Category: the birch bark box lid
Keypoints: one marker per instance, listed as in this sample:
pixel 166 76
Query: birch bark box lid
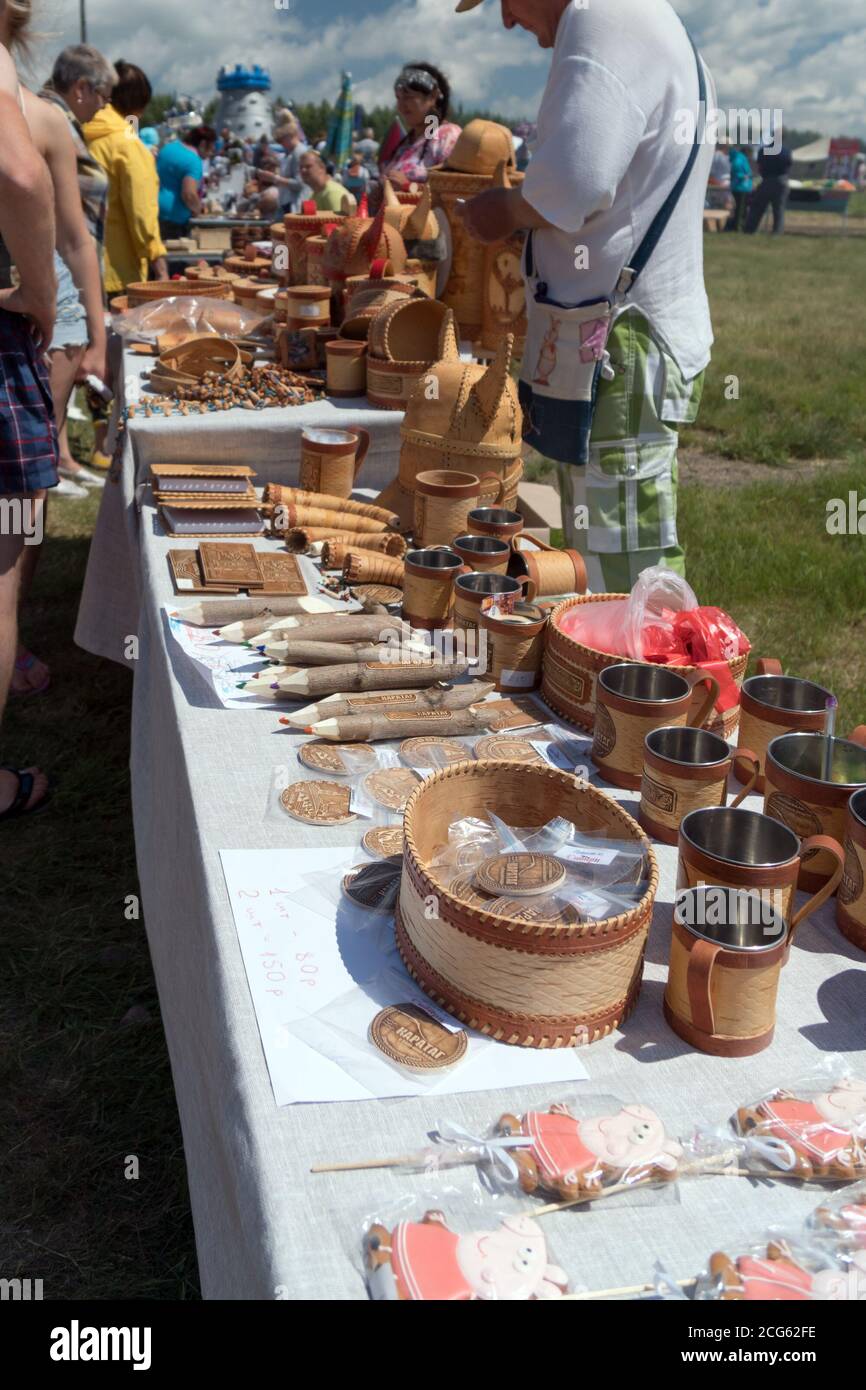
pixel 480 148
pixel 404 344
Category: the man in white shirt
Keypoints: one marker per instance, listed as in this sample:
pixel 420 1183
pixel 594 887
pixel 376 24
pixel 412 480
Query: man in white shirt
pixel 610 148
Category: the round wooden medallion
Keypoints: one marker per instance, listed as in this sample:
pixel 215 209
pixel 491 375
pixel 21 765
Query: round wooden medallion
pixel 328 757
pixel 391 787
pixel 318 803
pixel 520 875
pixel 413 1038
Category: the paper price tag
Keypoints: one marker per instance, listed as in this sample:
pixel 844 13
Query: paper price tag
pixel 574 854
pixel 594 905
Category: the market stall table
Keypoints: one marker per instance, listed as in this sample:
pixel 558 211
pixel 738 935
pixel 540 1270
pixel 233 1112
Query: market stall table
pixel 268 440
pixel 265 1226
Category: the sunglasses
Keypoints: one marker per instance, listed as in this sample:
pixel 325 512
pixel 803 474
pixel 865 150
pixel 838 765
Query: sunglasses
pixel 416 81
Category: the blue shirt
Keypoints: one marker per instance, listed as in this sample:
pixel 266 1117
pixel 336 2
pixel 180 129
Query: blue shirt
pixel 175 162
pixel 741 172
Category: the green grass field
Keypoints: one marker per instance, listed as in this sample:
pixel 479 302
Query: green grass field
pixel 84 1076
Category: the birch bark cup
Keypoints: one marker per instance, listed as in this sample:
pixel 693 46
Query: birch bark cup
pixel 686 769
pixel 851 899
pixel 633 699
pixel 808 787
pixel 772 704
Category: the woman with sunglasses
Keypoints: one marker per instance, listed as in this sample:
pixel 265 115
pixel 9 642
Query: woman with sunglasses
pixel 423 97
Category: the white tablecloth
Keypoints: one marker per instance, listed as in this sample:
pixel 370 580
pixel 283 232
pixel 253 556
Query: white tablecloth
pixel 269 441
pixel 265 1227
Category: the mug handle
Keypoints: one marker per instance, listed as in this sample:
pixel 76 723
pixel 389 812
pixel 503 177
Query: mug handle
pixel 530 588
pixel 748 757
pixel 769 666
pixel 833 847
pixel 709 703
pixel 702 958
pixel 535 541
pixel 363 448
pixel 500 487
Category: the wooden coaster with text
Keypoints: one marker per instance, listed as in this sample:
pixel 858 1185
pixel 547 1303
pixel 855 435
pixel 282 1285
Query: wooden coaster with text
pixel 230 563
pixel 318 803
pixel 433 752
pixel 518 712
pixel 391 787
pixel 512 750
pixel 384 841
pixel 520 875
pixel 328 757
pixel 413 1038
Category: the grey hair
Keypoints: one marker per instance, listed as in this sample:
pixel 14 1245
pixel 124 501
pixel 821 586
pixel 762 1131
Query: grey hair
pixel 82 60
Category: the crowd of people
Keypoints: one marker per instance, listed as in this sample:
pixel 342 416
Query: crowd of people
pixel 733 179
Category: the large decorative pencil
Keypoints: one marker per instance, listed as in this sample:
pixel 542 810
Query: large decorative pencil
pixel 217 613
pixel 289 684
pixel 346 627
pixel 302 653
pixel 360 728
pixel 409 702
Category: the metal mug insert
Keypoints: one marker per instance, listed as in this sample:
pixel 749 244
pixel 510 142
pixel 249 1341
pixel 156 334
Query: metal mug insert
pixel 802 755
pixel 788 693
pixel 436 558
pixel 737 836
pixel 495 516
pixel 734 918
pixel 488 584
pixel 857 805
pixel 653 684
pixel 690 747
pixel 483 545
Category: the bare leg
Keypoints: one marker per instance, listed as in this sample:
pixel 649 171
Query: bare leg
pixel 12 551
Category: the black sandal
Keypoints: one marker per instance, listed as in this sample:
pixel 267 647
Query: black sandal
pixel 19 806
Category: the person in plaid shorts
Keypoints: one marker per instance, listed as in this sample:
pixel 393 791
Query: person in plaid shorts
pixel 28 438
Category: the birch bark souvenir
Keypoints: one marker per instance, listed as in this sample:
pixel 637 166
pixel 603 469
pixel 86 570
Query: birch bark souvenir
pixel 809 782
pixel 365 304
pixel 443 500
pixel 330 463
pixel 552 571
pixel 851 899
pixel 460 416
pixel 772 704
pixel 423 705
pixel 495 521
pixel 515 646
pixel 481 150
pixel 737 848
pixel 571 670
pixel 276 495
pixel 424 232
pixel 334 552
pixel 288 683
pixel 482 554
pixel 504 304
pixel 632 699
pixel 143 292
pixel 362 567
pixel 315 249
pixel 347 368
pixel 404 344
pixel 686 769
pixel 318 517
pixel 428 588
pixel 357 243
pixel 303 540
pixel 528 983
pixel 723 978
pixel 472 592
pixel 307 306
pixel 299 227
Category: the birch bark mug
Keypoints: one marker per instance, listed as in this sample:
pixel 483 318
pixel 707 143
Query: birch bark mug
pixel 482 554
pixel 515 645
pixel 443 500
pixel 810 780
pixel 473 591
pixel 685 769
pixel 735 848
pixel 772 704
pixel 723 977
pixel 331 460
pixel 632 699
pixel 851 899
pixel 428 587
pixel 495 521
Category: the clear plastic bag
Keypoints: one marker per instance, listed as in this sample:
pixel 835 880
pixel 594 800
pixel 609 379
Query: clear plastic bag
pixel 784 1269
pixel 658 594
pixel 454 1253
pixel 187 314
pixel 841 1218
pixel 815 1128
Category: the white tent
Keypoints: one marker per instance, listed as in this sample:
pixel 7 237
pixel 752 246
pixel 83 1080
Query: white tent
pixel 814 153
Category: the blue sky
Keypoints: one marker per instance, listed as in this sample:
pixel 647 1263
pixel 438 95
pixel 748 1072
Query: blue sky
pixel 806 56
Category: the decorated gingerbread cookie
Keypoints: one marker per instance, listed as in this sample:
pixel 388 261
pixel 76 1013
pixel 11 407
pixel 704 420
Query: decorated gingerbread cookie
pixel 782 1278
pixel 568 1156
pixel 821 1137
pixel 844 1216
pixel 426 1261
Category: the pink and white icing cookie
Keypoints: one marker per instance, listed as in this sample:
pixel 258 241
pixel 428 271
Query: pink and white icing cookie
pixel 570 1156
pixel 779 1279
pixel 823 1136
pixel 427 1262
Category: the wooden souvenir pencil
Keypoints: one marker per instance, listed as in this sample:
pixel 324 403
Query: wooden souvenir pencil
pixel 217 613
pixel 327 680
pixel 344 627
pixel 302 653
pixel 410 702
pixel 355 728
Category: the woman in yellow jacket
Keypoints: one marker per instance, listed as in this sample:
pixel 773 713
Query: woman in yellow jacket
pixel 133 247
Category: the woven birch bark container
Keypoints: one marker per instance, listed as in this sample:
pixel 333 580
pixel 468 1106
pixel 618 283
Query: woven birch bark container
pixel 299 227
pixel 463 416
pixel 365 567
pixel 147 290
pixel 571 671
pixel 314 261
pixel 404 344
pixel 464 293
pixel 531 985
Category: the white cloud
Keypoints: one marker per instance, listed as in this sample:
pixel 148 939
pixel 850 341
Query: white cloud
pixel 807 58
